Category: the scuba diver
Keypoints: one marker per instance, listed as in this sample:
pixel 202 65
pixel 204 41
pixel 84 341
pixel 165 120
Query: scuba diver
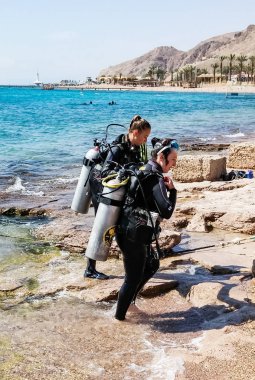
pixel 150 196
pixel 127 148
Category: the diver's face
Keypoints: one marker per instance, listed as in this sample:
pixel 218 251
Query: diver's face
pixel 139 137
pixel 170 162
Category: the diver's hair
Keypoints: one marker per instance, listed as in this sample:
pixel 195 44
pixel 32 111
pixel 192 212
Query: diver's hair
pixel 154 152
pixel 139 123
pixel 161 143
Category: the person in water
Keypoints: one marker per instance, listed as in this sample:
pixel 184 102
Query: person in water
pixel 154 193
pixel 130 147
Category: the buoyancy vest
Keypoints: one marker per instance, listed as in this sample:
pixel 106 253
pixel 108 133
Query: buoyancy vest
pixel 136 216
pixel 137 193
pixel 120 151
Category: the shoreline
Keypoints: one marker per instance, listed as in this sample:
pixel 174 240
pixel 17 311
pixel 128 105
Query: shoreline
pixel 215 88
pixel 203 88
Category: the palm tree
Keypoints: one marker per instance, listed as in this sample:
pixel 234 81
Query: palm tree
pixel 248 71
pixel 214 66
pixel 186 71
pixel 160 73
pixel 153 68
pixel 150 74
pixel 203 71
pixel 241 59
pixel 222 58
pixel 252 60
pixel 231 60
pixel 180 72
pixel 172 74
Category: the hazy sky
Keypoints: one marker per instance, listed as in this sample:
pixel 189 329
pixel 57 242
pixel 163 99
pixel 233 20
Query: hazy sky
pixel 73 39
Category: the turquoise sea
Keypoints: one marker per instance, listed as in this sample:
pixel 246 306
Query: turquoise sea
pixel 44 134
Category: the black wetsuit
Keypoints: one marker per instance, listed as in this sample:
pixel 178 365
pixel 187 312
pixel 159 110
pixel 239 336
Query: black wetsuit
pixel 121 152
pixel 139 261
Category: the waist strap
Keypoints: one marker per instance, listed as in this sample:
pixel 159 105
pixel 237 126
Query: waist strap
pixel 110 202
pixel 87 162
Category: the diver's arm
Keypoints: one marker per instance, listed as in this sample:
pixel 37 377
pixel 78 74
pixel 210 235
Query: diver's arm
pixel 114 156
pixel 164 203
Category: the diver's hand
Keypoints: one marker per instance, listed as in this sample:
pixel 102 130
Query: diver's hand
pixel 169 183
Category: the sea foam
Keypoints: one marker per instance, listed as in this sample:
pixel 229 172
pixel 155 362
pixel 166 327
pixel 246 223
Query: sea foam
pixel 239 134
pixel 18 187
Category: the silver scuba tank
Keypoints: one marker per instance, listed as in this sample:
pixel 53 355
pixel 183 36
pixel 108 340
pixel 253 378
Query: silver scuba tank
pixel 82 196
pixel 106 218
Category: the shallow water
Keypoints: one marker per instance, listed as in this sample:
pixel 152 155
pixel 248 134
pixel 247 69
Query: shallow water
pixel 17 244
pixel 82 339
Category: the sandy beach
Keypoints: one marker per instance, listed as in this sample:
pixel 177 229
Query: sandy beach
pixel 217 88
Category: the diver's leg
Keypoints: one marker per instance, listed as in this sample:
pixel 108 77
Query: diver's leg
pixel 134 257
pixel 151 267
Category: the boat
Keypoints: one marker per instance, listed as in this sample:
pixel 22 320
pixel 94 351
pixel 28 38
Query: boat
pixel 37 82
pixel 48 86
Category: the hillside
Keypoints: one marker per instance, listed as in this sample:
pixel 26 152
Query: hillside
pixel 203 54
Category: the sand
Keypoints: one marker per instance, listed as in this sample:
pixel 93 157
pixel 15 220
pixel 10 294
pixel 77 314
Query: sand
pixel 217 88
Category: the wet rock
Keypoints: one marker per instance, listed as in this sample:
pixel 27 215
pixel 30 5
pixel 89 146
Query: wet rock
pixel 9 285
pixel 100 291
pixel 204 147
pixel 156 287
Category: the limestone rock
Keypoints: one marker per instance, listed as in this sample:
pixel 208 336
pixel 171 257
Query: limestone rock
pixel 199 168
pixel 156 287
pixel 9 285
pixel 205 293
pixel 169 239
pixel 197 223
pixel 240 220
pixel 242 156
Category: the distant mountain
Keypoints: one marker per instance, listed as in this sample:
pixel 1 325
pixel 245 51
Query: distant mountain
pixel 203 55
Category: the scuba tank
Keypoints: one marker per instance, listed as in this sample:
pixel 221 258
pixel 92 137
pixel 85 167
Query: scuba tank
pixel 82 197
pixel 106 218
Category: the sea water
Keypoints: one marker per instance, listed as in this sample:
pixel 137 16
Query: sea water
pixel 46 133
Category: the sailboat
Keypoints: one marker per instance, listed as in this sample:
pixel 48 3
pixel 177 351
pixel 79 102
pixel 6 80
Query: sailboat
pixel 37 82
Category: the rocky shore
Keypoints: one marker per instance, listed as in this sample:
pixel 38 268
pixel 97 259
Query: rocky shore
pixel 195 318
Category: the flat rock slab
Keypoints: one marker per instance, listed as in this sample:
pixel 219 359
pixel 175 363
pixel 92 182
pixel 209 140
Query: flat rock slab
pixel 10 285
pixel 156 287
pixel 234 258
pixel 108 290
